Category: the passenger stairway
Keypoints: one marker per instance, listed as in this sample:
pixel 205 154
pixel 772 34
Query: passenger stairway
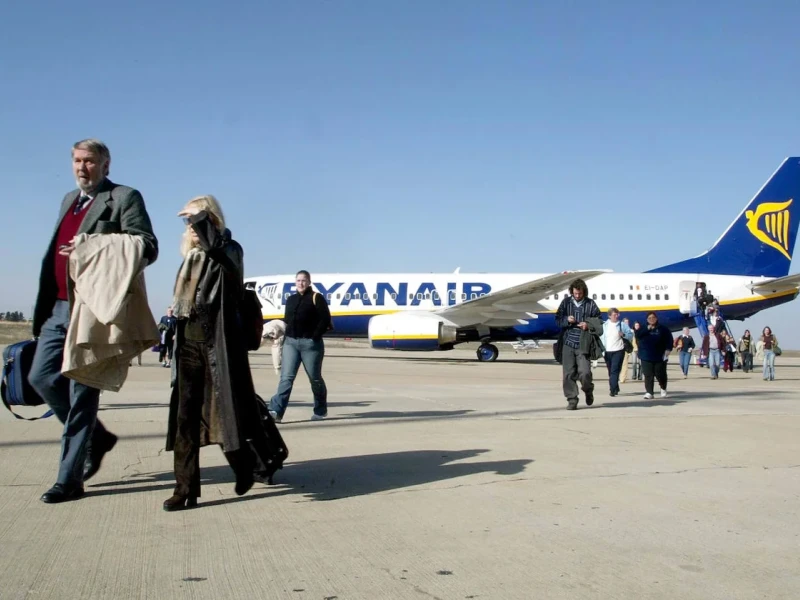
pixel 702 323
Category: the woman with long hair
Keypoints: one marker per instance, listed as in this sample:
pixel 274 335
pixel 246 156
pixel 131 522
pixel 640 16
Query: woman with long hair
pixel 730 352
pixel 767 344
pixel 213 400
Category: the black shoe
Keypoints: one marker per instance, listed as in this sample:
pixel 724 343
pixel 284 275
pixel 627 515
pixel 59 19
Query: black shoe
pixel 572 405
pixel 244 482
pixel 589 399
pixel 62 493
pixel 178 502
pixel 96 455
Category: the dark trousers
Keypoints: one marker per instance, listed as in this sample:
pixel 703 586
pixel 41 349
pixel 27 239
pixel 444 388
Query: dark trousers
pixel 747 361
pixel 194 377
pixel 614 366
pixel 73 403
pixel 657 370
pixel 576 366
pixel 165 351
pixel 729 360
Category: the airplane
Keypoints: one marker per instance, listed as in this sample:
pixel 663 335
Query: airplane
pixel 747 270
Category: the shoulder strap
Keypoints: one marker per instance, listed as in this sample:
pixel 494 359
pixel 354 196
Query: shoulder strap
pixel 4 390
pixel 49 413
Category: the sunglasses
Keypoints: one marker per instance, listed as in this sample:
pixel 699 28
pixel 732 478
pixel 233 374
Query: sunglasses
pixel 186 221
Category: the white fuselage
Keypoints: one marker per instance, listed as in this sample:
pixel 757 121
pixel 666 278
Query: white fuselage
pixel 355 298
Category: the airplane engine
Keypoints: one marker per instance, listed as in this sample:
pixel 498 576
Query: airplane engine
pixel 411 332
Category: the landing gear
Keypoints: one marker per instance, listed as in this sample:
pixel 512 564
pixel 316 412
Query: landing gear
pixel 487 353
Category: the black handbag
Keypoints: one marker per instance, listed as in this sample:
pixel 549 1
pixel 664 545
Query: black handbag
pixel 558 347
pixel 627 345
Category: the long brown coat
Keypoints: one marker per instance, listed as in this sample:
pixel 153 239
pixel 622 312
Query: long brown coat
pixel 229 407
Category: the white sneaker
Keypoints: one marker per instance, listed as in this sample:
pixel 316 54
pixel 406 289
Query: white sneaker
pixel 648 396
pixel 316 417
pixel 663 393
pixel 275 416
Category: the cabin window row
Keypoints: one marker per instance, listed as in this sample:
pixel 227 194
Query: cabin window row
pixel 621 297
pixel 473 296
pixel 429 296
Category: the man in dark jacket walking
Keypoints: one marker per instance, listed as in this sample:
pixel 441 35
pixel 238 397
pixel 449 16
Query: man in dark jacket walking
pixel 98 206
pixel 307 318
pixel 572 316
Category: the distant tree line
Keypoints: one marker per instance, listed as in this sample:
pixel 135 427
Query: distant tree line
pixel 12 317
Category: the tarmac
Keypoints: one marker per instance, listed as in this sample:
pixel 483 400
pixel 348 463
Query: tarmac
pixel 434 476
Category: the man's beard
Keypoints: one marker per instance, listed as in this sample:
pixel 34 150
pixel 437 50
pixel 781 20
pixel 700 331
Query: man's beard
pixel 88 188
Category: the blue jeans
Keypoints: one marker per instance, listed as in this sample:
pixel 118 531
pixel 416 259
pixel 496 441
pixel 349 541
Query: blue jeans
pixel 714 360
pixel 310 353
pixel 73 403
pixel 769 364
pixel 684 358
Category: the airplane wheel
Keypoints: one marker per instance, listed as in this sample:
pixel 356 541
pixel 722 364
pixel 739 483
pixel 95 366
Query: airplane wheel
pixel 487 353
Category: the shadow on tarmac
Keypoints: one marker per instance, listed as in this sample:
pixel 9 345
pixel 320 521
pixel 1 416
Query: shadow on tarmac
pixel 336 478
pixel 628 399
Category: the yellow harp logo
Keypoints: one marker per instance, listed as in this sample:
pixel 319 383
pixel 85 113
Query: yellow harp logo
pixel 773 229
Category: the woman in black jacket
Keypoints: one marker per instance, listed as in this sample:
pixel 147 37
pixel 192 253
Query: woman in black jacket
pixel 213 400
pixel 655 344
pixel 307 318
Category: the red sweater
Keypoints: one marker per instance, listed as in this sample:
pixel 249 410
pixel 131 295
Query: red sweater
pixel 66 231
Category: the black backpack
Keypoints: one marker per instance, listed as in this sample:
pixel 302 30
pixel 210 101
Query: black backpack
pixel 252 319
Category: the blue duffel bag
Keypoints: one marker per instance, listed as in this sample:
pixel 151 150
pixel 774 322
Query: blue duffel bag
pixel 15 389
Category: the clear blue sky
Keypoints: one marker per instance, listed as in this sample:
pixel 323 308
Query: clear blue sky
pixel 405 136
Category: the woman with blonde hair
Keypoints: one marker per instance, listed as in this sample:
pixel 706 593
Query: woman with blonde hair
pixel 213 400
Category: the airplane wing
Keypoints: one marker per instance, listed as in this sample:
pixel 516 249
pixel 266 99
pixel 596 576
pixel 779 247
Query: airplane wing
pixel 514 305
pixel 781 284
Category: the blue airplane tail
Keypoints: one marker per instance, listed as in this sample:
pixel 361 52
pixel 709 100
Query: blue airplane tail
pixel 760 242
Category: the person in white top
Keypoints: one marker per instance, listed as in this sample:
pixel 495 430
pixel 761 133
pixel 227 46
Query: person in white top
pixel 615 334
pixel 276 331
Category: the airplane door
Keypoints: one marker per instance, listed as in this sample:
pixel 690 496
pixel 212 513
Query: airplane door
pixel 686 300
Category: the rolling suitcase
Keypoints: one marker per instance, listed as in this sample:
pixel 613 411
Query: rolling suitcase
pixel 15 389
pixel 276 447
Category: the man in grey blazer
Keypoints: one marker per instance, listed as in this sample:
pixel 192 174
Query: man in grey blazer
pixel 97 206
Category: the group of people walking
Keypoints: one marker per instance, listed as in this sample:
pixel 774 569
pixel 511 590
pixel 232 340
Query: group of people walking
pixel 202 338
pixel 721 351
pixel 585 338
